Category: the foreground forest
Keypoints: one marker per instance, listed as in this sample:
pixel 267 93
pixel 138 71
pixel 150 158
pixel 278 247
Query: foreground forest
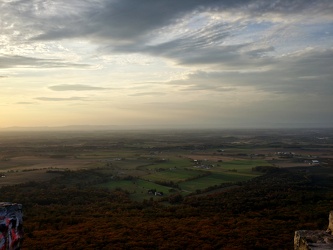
pixel 262 213
pixel 75 210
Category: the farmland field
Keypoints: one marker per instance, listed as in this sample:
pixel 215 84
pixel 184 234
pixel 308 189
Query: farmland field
pixel 174 175
pixel 136 161
pixel 212 180
pixel 223 188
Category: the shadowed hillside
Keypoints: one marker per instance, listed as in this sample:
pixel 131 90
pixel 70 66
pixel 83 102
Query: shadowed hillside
pixel 262 213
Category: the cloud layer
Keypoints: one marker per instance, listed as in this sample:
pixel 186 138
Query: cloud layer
pixel 192 54
pixel 15 61
pixel 74 87
pixel 60 99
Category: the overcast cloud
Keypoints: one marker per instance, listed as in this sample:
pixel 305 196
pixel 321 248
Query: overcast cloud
pixel 15 61
pixel 74 87
pixel 59 99
pixel 198 54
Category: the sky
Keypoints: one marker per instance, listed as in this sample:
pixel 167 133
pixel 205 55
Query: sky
pixel 166 63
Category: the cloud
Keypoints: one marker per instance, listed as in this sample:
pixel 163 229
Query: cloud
pixel 14 61
pixel 189 32
pixel 120 20
pixel 208 87
pixel 123 22
pixel 205 47
pixel 75 87
pixel 308 72
pixel 246 61
pixel 253 38
pixel 25 103
pixel 148 94
pixel 126 20
pixel 229 56
pixel 60 99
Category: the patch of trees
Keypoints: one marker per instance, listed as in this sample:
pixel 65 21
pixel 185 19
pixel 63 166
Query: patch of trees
pixel 171 184
pixel 262 213
pixel 265 169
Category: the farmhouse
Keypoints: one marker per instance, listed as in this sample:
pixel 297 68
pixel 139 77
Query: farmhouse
pixel 285 154
pixel 315 162
pixel 154 192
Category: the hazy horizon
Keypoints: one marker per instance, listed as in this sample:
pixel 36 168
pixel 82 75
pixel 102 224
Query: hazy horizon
pixel 166 64
pixel 92 128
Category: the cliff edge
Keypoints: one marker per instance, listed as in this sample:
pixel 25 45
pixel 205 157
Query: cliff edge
pixel 315 239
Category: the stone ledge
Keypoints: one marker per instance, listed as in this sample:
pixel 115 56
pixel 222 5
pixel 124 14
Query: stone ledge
pixel 315 239
pixel 312 240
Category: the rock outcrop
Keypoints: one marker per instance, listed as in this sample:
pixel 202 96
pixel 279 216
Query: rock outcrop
pixel 315 239
pixel 11 228
pixel 330 223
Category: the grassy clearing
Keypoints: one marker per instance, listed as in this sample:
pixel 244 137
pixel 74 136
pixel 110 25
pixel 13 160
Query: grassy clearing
pixel 108 154
pixel 231 171
pixel 241 166
pixel 138 188
pixel 174 175
pixel 201 183
pixel 169 163
pixel 188 179
pixel 130 163
pixel 151 185
pixel 134 185
pixel 212 180
pixel 123 184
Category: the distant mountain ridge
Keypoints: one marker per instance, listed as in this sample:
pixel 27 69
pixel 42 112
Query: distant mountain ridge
pixel 139 127
pixel 63 128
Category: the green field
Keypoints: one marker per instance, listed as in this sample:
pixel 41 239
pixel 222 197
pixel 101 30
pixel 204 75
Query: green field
pixel 138 188
pixel 241 166
pixel 108 153
pixel 168 163
pixel 174 175
pixel 139 162
pixel 166 177
pixel 130 163
pixel 212 180
pixel 176 171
